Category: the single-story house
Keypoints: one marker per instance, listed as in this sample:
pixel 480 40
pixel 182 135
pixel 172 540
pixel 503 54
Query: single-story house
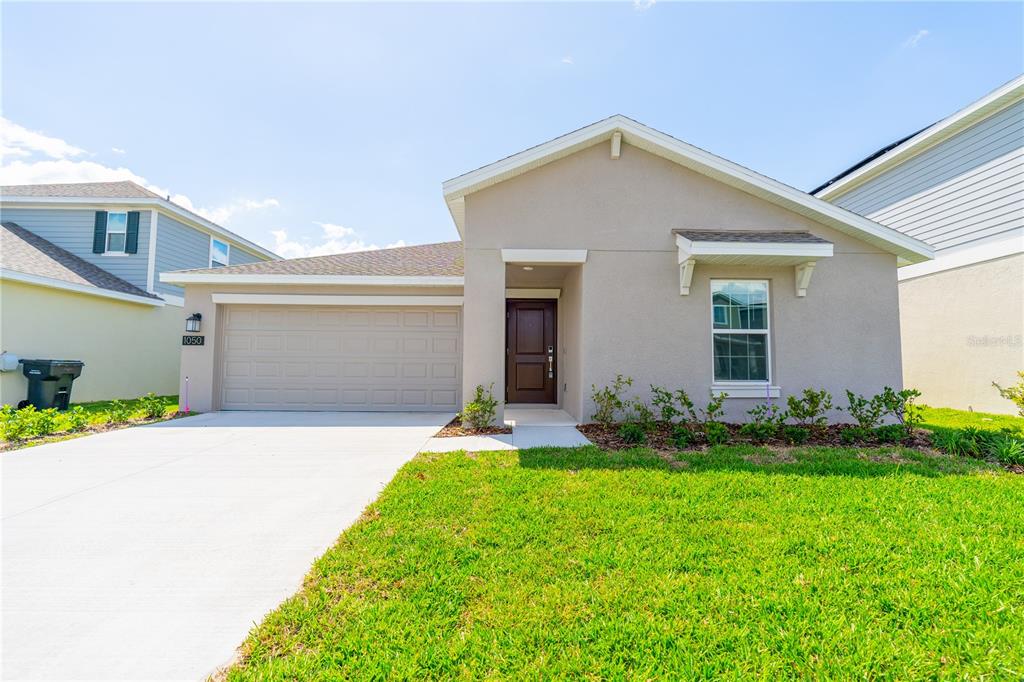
pixel 615 249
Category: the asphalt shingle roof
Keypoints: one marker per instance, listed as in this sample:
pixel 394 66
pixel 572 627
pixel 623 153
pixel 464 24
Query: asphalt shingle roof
pixel 425 260
pixel 752 236
pixel 99 190
pixel 27 252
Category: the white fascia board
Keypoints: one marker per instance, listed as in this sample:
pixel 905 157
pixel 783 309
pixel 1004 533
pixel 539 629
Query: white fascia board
pixel 908 249
pixel 995 101
pixel 544 256
pixel 688 249
pixel 331 299
pixel 352 280
pixel 171 209
pixel 15 276
pixel 969 255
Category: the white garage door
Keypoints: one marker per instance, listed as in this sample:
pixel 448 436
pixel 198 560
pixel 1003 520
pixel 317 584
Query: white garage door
pixel 338 358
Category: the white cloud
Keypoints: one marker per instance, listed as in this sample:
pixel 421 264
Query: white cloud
pixel 44 160
pixel 19 141
pixel 118 150
pixel 913 40
pixel 336 239
pixel 643 5
pixel 567 59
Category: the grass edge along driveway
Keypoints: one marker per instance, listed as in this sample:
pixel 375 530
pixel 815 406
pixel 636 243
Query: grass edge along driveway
pixel 735 562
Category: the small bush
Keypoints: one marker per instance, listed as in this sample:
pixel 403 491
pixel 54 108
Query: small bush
pixel 795 435
pixel 890 433
pixel 901 406
pixel 765 421
pixel 45 422
pixel 715 408
pixel 716 433
pixel 633 433
pixel 759 432
pixel 639 413
pixel 1014 393
pixel 682 437
pixel 76 418
pixel 1008 449
pixel 853 435
pixel 665 403
pixel 480 412
pixel 118 412
pixel 867 411
pixel 13 424
pixel 152 407
pixel 608 400
pixel 810 409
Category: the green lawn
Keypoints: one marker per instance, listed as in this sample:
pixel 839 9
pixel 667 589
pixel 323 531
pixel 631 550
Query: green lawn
pixel 739 562
pixel 134 405
pixel 937 418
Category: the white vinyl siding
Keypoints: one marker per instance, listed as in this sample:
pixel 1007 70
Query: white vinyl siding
pixel 964 190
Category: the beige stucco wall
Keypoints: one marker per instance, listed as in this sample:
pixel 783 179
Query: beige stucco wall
pixel 199 363
pixel 844 334
pixel 128 349
pixel 962 330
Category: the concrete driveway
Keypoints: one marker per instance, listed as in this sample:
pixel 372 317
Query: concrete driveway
pixel 149 553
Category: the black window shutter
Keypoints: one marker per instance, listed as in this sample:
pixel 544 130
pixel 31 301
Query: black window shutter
pixel 131 240
pixel 99 233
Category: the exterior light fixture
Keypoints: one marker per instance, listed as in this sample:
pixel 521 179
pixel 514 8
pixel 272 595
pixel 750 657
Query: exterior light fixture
pixel 193 322
pixel 527 267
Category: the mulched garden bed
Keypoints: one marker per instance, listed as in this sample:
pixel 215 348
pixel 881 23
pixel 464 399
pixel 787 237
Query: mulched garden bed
pixel 607 436
pixel 454 428
pixel 7 446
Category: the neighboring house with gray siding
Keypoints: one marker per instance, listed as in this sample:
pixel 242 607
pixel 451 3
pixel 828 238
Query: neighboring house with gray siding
pixel 119 237
pixel 957 185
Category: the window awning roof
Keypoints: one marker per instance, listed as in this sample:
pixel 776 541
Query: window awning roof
pixel 750 247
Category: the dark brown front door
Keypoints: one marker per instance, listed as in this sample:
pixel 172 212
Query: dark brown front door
pixel 531 371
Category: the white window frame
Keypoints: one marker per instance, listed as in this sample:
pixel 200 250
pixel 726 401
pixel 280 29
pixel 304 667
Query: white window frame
pixel 107 232
pixel 742 387
pixel 227 250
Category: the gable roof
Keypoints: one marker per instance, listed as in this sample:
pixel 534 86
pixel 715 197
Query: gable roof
pixel 119 193
pixel 42 262
pixel 907 249
pixel 442 262
pixel 752 236
pixel 900 151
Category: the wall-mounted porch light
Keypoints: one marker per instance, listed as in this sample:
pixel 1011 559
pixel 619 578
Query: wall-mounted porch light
pixel 193 322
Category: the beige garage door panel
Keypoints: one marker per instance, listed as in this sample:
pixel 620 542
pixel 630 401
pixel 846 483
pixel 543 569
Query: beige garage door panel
pixel 333 358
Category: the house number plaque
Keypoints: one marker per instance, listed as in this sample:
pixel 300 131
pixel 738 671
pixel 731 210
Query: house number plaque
pixel 192 340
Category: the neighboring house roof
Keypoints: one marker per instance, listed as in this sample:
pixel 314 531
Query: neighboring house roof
pixel 908 249
pixel 441 262
pixel 27 257
pixel 912 145
pixel 119 193
pixel 752 236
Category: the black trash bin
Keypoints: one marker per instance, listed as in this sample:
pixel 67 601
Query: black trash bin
pixel 49 382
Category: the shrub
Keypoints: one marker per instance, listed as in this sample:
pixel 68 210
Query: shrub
pixel 45 422
pixel 1014 393
pixel 765 421
pixel 795 435
pixel 853 434
pixel 639 413
pixel 665 403
pixel 608 400
pixel 716 433
pixel 118 412
pixel 867 412
pixel 152 406
pixel 901 406
pixel 810 409
pixel 955 443
pixel 633 433
pixel 76 418
pixel 13 425
pixel 889 433
pixel 715 407
pixel 479 413
pixel 686 407
pixel 682 437
pixel 1008 449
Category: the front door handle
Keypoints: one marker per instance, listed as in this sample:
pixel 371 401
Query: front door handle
pixel 551 367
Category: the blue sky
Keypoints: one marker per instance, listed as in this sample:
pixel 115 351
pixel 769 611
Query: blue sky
pixel 326 127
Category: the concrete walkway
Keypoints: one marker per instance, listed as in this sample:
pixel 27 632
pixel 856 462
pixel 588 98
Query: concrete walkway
pixel 531 428
pixel 149 553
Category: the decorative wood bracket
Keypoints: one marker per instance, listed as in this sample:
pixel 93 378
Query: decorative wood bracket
pixel 686 276
pixel 803 277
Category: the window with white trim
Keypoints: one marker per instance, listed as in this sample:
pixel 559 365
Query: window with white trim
pixel 218 253
pixel 117 231
pixel 740 338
